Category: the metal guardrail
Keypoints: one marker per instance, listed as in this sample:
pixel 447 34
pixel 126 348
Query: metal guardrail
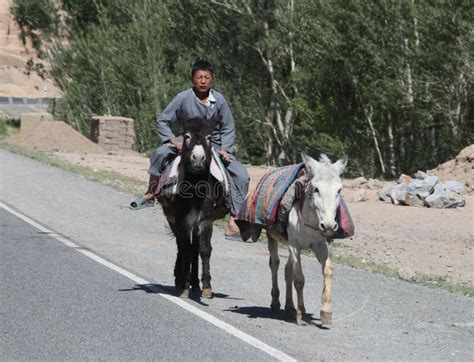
pixel 14 107
pixel 42 102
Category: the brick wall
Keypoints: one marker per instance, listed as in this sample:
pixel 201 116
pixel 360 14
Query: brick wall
pixel 113 133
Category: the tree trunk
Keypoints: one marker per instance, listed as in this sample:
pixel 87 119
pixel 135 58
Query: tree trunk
pixel 368 117
pixel 393 169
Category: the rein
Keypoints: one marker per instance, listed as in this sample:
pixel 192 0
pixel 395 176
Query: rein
pixel 306 187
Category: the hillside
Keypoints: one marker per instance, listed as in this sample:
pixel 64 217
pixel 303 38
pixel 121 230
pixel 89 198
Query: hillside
pixel 13 58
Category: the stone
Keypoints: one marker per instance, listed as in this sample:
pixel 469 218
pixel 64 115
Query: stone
pixel 438 198
pixel 422 188
pixel 404 179
pixel 406 273
pixel 384 196
pixel 454 186
pixel 421 175
pixel 454 200
pixel 413 200
pixel 430 182
pixel 398 193
pixel 374 184
pixel 361 196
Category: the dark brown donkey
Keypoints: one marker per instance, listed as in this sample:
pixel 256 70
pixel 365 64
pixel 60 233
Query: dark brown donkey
pixel 190 212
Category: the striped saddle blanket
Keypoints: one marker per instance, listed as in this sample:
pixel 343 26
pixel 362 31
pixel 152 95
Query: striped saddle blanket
pixel 272 199
pixel 263 203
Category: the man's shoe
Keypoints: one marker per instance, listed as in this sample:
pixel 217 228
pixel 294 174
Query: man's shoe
pixel 141 203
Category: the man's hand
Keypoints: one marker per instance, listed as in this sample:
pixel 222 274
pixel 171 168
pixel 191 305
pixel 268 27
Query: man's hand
pixel 224 155
pixel 178 145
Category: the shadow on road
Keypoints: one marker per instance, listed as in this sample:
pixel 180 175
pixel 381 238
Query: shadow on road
pixel 170 290
pixel 265 312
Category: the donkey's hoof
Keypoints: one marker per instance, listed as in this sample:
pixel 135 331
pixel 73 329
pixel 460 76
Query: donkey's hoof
pixel 206 293
pixel 300 320
pixel 325 318
pixel 275 307
pixel 183 293
pixel 196 291
pixel 290 312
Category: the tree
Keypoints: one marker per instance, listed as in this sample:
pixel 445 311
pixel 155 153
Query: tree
pixel 389 83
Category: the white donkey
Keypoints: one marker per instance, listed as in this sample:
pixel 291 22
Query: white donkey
pixel 311 223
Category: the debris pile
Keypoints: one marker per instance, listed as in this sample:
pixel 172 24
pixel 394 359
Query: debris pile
pixel 424 190
pixel 460 168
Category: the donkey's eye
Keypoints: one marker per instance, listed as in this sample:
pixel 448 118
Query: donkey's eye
pixel 208 138
pixel 315 190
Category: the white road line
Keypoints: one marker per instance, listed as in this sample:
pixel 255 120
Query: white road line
pixel 180 302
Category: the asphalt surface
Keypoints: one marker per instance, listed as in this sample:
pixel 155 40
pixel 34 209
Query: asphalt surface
pixel 57 303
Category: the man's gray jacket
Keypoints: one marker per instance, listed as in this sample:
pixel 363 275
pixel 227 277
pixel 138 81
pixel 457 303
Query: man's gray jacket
pixel 223 136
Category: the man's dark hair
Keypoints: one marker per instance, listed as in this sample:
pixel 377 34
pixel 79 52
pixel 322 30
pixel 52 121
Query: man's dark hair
pixel 201 65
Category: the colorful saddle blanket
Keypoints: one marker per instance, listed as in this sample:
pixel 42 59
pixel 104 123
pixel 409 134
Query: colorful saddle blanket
pixel 275 195
pixel 262 204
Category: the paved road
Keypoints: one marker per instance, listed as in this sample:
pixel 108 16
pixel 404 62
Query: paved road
pixel 58 303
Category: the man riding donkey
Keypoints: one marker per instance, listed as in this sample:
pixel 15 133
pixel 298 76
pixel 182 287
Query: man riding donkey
pixel 200 101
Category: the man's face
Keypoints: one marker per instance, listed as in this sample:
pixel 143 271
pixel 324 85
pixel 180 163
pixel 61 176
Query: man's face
pixel 202 81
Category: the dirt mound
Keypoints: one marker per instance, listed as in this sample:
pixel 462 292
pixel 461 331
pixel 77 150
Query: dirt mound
pixel 54 136
pixel 461 169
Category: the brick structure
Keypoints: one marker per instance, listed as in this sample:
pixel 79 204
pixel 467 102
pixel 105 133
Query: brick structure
pixel 113 133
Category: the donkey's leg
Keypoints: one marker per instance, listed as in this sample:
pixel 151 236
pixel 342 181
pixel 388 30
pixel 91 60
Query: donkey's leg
pixel 195 262
pixel 183 259
pixel 205 250
pixel 183 286
pixel 274 264
pixel 321 251
pixel 289 305
pixel 298 280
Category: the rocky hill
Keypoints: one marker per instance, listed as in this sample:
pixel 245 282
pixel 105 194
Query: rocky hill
pixel 14 82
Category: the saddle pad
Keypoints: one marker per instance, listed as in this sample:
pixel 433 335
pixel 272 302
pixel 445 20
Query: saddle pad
pixel 262 204
pixel 169 178
pixel 218 170
pixel 344 221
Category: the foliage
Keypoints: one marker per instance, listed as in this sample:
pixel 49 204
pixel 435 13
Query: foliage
pixel 3 127
pixel 388 83
pixel 36 20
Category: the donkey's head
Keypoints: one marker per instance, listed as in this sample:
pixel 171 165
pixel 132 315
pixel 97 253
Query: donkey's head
pixel 196 151
pixel 323 190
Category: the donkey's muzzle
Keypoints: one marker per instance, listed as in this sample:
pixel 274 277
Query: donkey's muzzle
pixel 198 161
pixel 328 228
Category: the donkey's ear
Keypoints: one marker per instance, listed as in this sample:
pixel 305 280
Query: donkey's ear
pixel 215 120
pixel 180 116
pixel 183 120
pixel 341 164
pixel 305 157
pixel 310 164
